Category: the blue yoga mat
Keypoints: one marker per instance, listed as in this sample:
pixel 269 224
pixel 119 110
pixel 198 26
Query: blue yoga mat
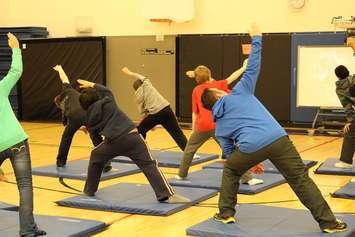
pixel 327 167
pixel 55 226
pixel 265 221
pixel 211 179
pixel 136 199
pixel 78 170
pixel 268 166
pixel 8 207
pixel 348 191
pixel 171 158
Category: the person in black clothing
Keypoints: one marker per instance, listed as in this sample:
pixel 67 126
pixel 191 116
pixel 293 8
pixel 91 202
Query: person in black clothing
pixel 120 138
pixel 73 117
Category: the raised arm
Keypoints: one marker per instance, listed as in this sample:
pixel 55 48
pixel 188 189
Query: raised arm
pixel 236 74
pixel 248 81
pixel 15 72
pixel 101 89
pixel 63 77
pixel 132 74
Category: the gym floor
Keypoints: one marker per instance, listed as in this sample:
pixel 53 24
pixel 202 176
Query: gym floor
pixel 44 140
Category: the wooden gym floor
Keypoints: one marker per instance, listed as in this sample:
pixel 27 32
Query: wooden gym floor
pixel 44 140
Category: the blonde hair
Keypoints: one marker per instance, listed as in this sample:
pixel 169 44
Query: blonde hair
pixel 201 74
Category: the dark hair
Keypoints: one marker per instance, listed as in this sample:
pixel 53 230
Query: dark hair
pixel 208 99
pixel 136 84
pixel 88 97
pixel 341 72
pixel 352 91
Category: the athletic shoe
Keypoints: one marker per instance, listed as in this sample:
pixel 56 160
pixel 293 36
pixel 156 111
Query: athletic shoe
pixel 343 165
pixel 176 198
pixel 107 168
pixel 254 181
pixel 338 227
pixel 224 219
pixel 36 233
pixel 196 156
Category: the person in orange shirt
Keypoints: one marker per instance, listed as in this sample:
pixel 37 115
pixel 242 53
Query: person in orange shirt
pixel 203 126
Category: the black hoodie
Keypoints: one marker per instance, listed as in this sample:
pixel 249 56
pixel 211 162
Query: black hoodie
pixel 105 118
pixel 348 102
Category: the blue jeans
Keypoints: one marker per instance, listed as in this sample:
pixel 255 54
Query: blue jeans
pixel 19 156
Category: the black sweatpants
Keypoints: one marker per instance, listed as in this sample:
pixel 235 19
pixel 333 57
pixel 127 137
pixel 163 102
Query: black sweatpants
pixel 348 147
pixel 287 160
pixel 167 119
pixel 133 146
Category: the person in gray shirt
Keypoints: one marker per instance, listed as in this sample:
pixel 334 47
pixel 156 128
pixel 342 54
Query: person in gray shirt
pixel 154 109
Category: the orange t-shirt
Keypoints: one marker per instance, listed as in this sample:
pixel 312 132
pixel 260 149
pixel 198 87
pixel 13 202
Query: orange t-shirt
pixel 204 120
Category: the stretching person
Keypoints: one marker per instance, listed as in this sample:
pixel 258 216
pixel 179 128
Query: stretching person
pixel 14 145
pixel 203 127
pixel 154 109
pixel 74 118
pixel 121 138
pixel 249 134
pixel 343 85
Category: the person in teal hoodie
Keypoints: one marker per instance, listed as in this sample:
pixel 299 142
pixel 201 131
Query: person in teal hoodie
pixel 249 134
pixel 14 145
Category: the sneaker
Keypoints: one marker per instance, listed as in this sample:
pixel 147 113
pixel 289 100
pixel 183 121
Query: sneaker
pixel 224 219
pixel 36 233
pixel 196 156
pixel 338 227
pixel 107 168
pixel 179 177
pixel 254 181
pixel 176 198
pixel 343 165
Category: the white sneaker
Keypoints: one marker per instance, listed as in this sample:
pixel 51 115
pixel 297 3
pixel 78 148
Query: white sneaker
pixel 196 156
pixel 254 181
pixel 343 165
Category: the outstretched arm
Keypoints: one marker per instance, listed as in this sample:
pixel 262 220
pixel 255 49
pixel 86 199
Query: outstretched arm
pixel 15 72
pixel 248 81
pixel 236 74
pixel 133 74
pixel 101 89
pixel 62 75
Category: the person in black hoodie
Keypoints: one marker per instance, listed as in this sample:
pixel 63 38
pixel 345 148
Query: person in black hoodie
pixel 73 117
pixel 120 138
pixel 344 87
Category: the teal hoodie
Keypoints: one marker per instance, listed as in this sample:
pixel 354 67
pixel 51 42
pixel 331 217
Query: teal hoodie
pixel 11 130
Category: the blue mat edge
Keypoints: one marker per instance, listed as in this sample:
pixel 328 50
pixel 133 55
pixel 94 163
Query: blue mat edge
pixel 45 174
pixel 66 203
pixel 316 171
pixel 339 194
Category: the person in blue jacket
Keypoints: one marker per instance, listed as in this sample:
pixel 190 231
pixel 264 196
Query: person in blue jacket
pixel 249 134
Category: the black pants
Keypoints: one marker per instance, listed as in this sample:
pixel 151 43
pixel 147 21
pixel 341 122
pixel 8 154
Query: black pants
pixel 348 147
pixel 71 128
pixel 167 119
pixel 133 146
pixel 285 157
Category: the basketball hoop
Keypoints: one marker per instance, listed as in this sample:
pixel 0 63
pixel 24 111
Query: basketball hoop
pixel 343 22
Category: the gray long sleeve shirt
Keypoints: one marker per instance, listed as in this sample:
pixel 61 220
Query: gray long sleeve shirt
pixel 149 100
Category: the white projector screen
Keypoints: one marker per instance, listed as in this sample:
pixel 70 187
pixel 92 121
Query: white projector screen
pixel 315 74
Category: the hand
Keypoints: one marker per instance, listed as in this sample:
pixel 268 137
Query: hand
pixel 126 70
pixel 190 74
pixel 258 169
pixel 84 129
pixel 85 84
pixel 347 128
pixel 245 63
pixel 58 68
pixel 12 41
pixel 254 30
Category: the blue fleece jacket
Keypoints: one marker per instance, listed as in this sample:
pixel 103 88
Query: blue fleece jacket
pixel 241 120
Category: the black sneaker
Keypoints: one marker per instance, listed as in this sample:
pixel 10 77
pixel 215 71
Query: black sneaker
pixel 338 227
pixel 36 233
pixel 224 219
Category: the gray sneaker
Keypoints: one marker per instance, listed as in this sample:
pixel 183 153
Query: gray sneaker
pixel 176 198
